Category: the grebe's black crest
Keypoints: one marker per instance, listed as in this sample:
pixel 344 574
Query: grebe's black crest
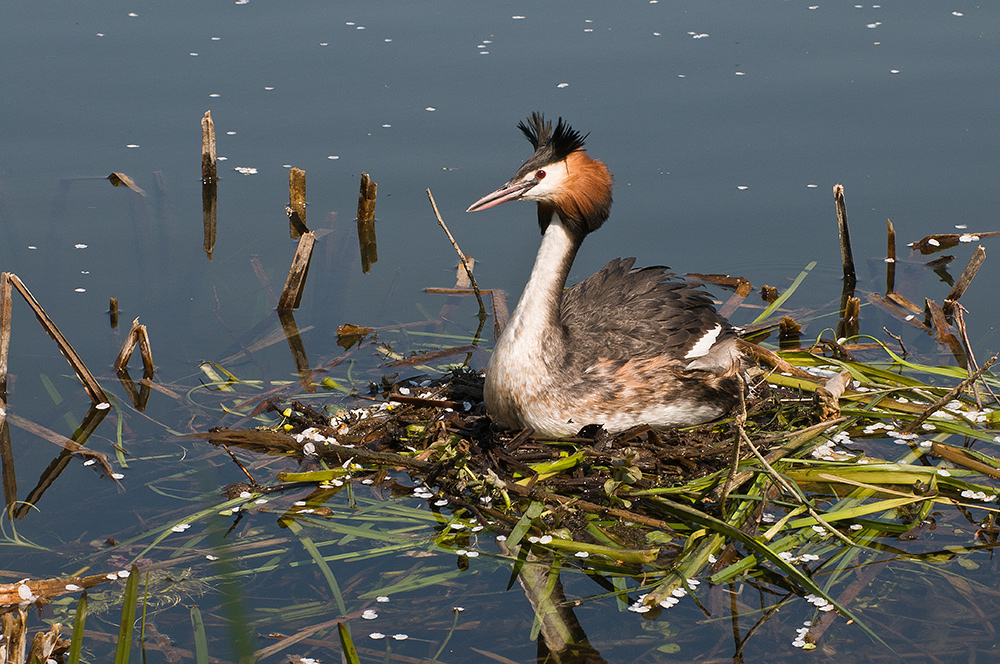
pixel 550 146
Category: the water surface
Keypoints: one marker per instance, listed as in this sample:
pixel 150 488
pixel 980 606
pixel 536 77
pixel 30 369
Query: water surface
pixel 726 126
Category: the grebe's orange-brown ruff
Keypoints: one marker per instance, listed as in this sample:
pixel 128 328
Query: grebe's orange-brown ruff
pixel 624 347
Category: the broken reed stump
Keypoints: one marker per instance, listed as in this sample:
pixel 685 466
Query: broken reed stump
pixel 137 336
pixel 366 223
pixel 849 324
pixel 90 384
pixel 935 318
pixel 44 643
pixel 291 294
pixel 890 258
pixel 209 183
pixel 846 257
pixel 296 203
pixel 209 167
pixel 113 312
pixel 978 256
pixel 5 311
pixel 8 477
pixel 850 306
pixel 122 180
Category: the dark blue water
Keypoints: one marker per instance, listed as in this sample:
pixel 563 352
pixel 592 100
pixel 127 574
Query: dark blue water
pixel 725 124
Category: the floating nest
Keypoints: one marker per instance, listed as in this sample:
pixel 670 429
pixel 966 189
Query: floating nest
pixel 436 430
pixel 435 427
pixel 758 496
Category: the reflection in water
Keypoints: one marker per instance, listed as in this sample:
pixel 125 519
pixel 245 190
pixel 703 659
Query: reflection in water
pixel 72 448
pixel 209 207
pixel 561 638
pixel 298 349
pixel 137 394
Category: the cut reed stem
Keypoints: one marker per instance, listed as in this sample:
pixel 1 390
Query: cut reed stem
pixel 90 384
pixel 366 223
pixel 209 165
pixel 296 203
pixel 846 257
pixel 291 294
pixel 461 256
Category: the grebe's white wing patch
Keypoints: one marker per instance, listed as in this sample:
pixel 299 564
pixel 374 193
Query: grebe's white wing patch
pixel 703 345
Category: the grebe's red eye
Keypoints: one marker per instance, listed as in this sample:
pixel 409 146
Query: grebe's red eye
pixel 539 175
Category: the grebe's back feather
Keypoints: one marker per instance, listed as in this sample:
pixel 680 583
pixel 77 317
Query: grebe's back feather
pixel 620 313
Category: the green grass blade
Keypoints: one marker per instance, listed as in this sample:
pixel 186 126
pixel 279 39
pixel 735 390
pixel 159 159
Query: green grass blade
pixel 788 293
pixel 444 644
pixel 420 580
pixel 347 643
pixel 76 640
pixel 631 556
pixel 142 622
pixel 200 640
pixel 129 599
pixel 317 557
pixel 521 527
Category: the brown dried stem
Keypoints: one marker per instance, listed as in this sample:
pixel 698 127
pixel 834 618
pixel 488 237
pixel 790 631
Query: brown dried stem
pixel 137 336
pixel 209 167
pixel 366 223
pixel 90 383
pixel 978 256
pixel 296 203
pixel 846 257
pixel 461 256
pixel 5 311
pixel 890 269
pixel 291 294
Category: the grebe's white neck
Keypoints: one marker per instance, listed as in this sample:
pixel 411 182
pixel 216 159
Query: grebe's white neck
pixel 539 308
pixel 533 339
pixel 531 352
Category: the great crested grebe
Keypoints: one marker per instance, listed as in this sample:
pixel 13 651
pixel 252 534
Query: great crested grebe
pixel 621 348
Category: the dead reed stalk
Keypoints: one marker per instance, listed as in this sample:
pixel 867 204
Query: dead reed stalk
pixel 90 383
pixel 461 255
pixel 137 336
pixel 296 203
pixel 209 166
pixel 366 223
pixel 291 294
pixel 890 259
pixel 846 257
